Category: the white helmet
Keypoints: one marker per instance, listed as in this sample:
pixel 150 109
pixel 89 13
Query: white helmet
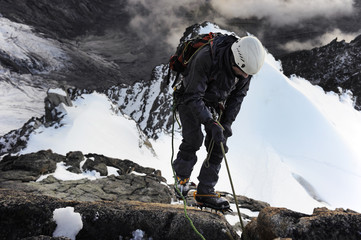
pixel 248 54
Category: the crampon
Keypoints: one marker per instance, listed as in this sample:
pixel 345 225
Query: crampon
pixel 212 201
pixel 184 186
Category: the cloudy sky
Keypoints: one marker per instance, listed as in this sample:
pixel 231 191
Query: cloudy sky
pixel 313 22
pixel 283 12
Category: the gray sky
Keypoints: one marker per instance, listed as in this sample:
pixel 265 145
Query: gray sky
pixel 171 17
pixel 283 12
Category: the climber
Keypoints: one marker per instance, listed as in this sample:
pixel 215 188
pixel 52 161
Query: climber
pixel 215 83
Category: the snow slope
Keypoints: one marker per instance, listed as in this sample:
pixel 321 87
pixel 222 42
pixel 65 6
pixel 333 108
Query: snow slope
pixel 288 130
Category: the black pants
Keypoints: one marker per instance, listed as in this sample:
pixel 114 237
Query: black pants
pixel 191 143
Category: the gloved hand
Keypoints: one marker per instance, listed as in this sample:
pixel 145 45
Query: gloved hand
pixel 216 130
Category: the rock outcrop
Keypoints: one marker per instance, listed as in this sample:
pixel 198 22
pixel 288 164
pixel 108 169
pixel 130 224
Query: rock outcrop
pixel 273 223
pixel 29 216
pixel 154 115
pixel 133 182
pixel 135 197
pixel 33 176
pixel 54 98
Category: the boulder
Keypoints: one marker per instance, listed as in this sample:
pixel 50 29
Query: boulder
pixel 73 160
pixel 281 223
pixel 91 165
pixel 29 167
pixel 29 216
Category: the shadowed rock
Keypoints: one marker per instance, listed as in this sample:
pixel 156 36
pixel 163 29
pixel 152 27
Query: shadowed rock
pixel 322 224
pixel 26 215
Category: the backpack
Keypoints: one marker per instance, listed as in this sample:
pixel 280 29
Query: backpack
pixel 185 51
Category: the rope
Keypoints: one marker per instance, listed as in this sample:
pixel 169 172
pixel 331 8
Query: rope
pixel 229 172
pixel 206 161
pixel 175 183
pixel 234 192
pixel 211 144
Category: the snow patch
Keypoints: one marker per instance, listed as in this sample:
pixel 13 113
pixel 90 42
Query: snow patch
pixel 139 235
pixel 112 171
pixel 58 91
pixel 68 222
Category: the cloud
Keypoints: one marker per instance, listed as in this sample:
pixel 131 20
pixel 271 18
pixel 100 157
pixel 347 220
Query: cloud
pixel 283 12
pixel 163 22
pixel 319 41
pixel 156 19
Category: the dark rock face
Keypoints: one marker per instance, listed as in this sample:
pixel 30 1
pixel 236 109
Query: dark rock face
pixel 272 223
pixel 335 65
pixel 25 215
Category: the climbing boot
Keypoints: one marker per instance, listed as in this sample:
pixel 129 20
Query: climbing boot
pixel 183 185
pixel 212 200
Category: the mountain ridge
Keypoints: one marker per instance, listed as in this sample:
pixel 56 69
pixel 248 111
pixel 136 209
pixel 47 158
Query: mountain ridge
pixel 333 66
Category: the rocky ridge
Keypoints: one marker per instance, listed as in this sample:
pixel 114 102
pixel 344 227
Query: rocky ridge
pixel 133 182
pixel 154 114
pixel 134 197
pixel 105 220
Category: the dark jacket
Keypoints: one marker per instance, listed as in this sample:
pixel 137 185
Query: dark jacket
pixel 209 79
